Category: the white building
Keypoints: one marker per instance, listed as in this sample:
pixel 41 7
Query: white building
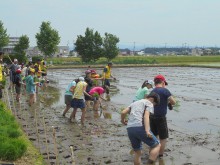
pixel 12 42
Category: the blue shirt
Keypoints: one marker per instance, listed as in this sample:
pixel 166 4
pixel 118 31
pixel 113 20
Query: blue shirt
pixel 161 109
pixel 73 83
pixel 30 85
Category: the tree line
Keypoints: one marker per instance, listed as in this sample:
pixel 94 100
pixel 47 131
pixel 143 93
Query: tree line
pixel 90 47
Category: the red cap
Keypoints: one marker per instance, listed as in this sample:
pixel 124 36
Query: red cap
pixel 160 77
pixel 18 71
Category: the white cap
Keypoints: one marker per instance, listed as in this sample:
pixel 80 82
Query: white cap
pixel 15 60
pixel 81 78
pixel 151 82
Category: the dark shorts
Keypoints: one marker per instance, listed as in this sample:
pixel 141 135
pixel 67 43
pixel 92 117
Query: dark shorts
pixel 159 126
pixel 107 82
pixel 137 135
pixel 44 74
pixel 68 99
pixel 78 103
pixel 12 77
pixel 18 89
pixel 87 98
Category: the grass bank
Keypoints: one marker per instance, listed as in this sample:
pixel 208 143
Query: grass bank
pixel 137 61
pixel 14 145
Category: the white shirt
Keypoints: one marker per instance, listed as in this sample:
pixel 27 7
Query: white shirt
pixel 138 108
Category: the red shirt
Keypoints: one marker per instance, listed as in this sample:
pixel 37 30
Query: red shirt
pixel 98 90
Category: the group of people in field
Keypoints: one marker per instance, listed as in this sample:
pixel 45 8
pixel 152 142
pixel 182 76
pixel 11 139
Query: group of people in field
pixel 81 91
pixel 145 117
pixel 27 79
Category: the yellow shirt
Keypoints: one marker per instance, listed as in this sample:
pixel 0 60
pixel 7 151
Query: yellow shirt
pixel 1 76
pixel 107 72
pixel 39 70
pixel 79 90
pixel 43 67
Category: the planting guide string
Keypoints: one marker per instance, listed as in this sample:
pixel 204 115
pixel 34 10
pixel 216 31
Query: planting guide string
pixel 33 118
pixel 31 113
pixel 24 114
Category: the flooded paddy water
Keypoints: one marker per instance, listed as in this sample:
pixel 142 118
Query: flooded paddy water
pixel 194 125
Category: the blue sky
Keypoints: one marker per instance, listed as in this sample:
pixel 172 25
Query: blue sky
pixel 143 22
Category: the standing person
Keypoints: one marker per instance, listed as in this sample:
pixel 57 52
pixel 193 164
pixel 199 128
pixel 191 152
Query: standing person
pixel 1 74
pixel 13 67
pixel 158 122
pixel 78 99
pixel 89 82
pixel 138 127
pixel 107 75
pixel 30 86
pixel 18 84
pixel 69 96
pixel 97 94
pixel 143 91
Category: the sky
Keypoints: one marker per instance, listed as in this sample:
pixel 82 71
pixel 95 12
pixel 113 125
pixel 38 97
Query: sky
pixel 137 23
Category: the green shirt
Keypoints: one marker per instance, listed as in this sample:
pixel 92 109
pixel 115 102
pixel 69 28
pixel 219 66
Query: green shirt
pixel 141 93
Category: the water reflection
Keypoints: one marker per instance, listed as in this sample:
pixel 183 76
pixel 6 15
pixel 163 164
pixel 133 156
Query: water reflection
pixel 49 96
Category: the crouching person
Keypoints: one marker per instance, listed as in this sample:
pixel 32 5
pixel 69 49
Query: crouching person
pixel 138 127
pixel 97 94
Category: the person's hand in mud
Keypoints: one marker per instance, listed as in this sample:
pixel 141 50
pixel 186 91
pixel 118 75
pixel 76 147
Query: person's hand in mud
pixel 124 113
pixel 125 122
pixel 149 135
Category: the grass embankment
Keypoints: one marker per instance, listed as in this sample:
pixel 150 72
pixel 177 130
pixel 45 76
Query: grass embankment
pixel 204 61
pixel 14 145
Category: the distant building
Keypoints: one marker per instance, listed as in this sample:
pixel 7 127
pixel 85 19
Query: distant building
pixel 141 53
pixel 10 47
pixel 34 51
pixel 124 52
pixel 63 51
pixel 197 52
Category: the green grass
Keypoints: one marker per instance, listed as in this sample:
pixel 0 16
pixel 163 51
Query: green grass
pixel 12 146
pixel 163 60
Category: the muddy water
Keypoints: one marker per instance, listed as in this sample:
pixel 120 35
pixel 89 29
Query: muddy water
pixel 196 90
pixel 194 124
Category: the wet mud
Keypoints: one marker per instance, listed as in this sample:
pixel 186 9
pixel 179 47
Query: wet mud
pixel 194 127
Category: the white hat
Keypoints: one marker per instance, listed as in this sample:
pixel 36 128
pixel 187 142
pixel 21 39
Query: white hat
pixel 81 79
pixel 15 60
pixel 151 82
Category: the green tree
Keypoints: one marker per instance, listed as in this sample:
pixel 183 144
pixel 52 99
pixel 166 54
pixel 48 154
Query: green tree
pixel 47 39
pixel 89 46
pixel 110 49
pixel 4 38
pixel 21 47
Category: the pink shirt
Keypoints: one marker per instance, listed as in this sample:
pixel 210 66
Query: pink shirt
pixel 98 90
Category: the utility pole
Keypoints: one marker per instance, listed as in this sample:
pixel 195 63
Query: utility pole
pixel 134 49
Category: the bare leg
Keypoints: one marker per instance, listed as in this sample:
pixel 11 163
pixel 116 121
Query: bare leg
pixel 88 104
pixel 137 157
pixel 73 114
pixel 96 105
pixel 31 100
pixel 66 109
pixel 83 115
pixel 154 152
pixel 163 145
